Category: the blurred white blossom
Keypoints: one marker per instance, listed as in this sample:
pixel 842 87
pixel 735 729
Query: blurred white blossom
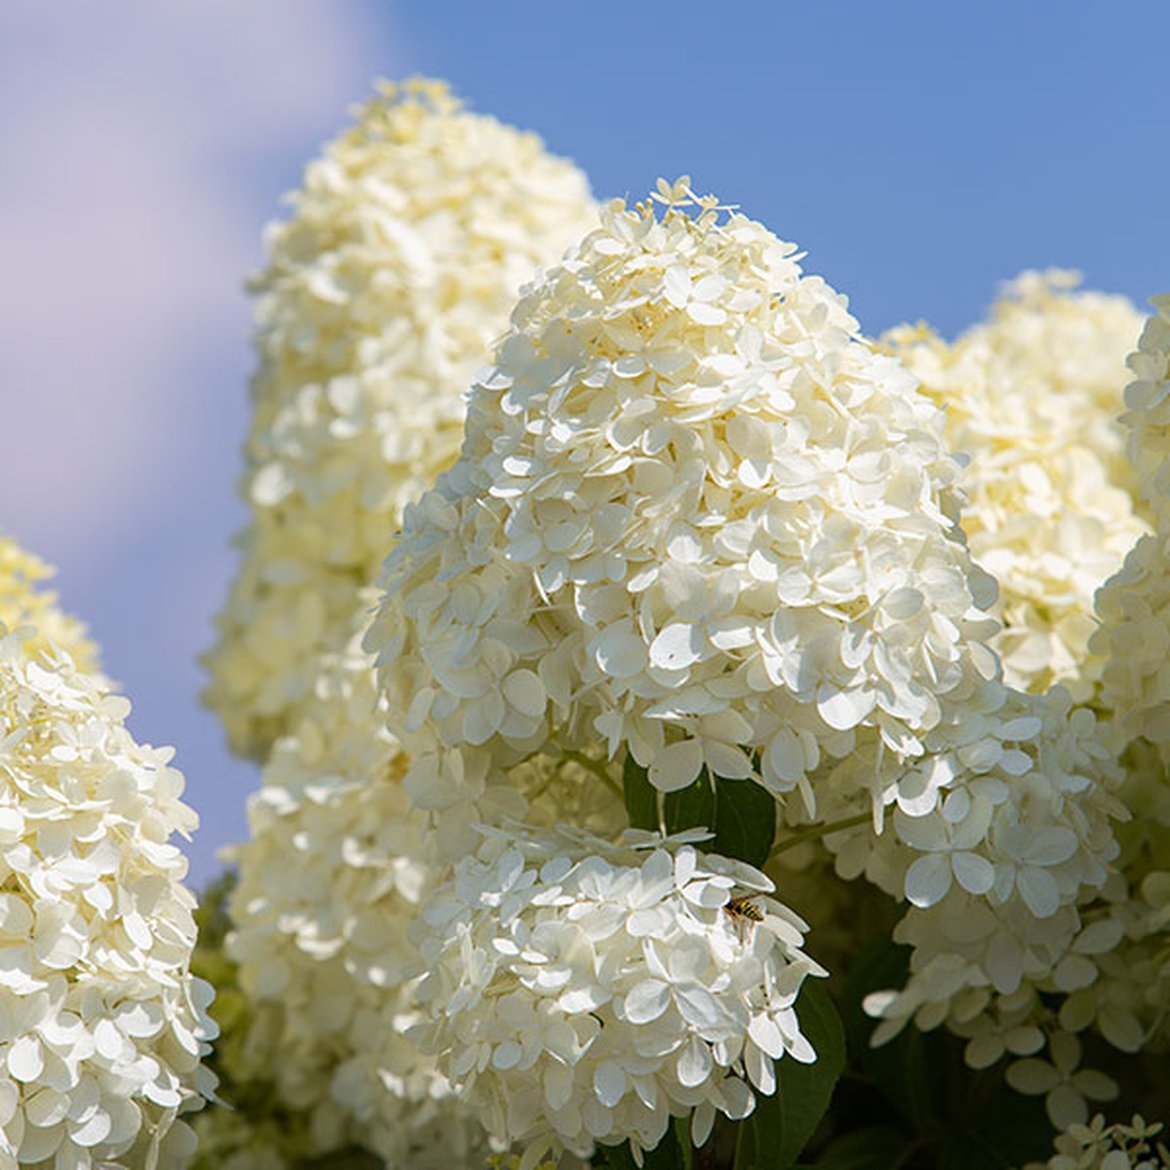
pixel 24 602
pixel 1032 398
pixel 335 870
pixel 1133 1145
pixel 385 288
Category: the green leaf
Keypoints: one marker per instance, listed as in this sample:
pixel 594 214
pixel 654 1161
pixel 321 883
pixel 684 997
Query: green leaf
pixel 781 1126
pixel 877 1147
pixel 682 1135
pixel 618 1157
pixel 672 1153
pixel 641 797
pixel 692 807
pixel 965 1153
pixel 1004 1129
pixel 745 821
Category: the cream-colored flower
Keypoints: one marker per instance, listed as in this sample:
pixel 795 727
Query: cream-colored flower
pixel 334 872
pixel 1032 398
pixel 996 867
pixel 1064 1085
pixel 579 991
pixel 102 1028
pixel 696 516
pixel 1135 1145
pixel 384 290
pixel 1148 417
pixel 24 602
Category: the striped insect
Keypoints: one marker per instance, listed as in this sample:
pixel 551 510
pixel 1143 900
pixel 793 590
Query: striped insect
pixel 744 915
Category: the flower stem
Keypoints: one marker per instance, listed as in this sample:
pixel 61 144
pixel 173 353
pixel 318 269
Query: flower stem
pixel 595 766
pixel 816 832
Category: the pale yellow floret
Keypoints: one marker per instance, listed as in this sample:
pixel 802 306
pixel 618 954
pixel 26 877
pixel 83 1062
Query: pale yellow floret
pixel 24 602
pixel 384 290
pixel 1032 399
pixel 104 1028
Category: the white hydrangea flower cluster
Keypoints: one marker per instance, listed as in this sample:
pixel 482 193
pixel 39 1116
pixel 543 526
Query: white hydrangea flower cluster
pixel 669 532
pixel 102 1028
pixel 1002 868
pixel 695 514
pixel 1032 397
pixel 1011 829
pixel 1092 947
pixel 583 992
pixel 1148 417
pixel 1135 1145
pixel 337 865
pixel 384 290
pixel 24 603
pixel 331 878
pixel 1134 606
pixel 1122 994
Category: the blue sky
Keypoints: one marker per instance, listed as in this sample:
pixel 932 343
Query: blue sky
pixel 920 152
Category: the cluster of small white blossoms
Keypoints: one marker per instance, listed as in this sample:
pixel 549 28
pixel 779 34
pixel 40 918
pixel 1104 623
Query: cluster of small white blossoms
pixel 581 992
pixel 102 1028
pixel 1093 947
pixel 1148 416
pixel 1032 398
pixel 385 288
pixel 1009 840
pixel 334 871
pixel 336 867
pixel 696 514
pixel 1125 1000
pixel 1097 1146
pixel 24 602
pixel 1134 606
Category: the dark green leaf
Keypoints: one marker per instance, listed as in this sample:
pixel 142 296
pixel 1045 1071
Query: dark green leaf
pixel 965 1152
pixel 672 1153
pixel 873 1148
pixel 745 821
pixel 641 798
pixel 618 1157
pixel 682 1135
pixel 1011 1128
pixel 781 1126
pixel 692 807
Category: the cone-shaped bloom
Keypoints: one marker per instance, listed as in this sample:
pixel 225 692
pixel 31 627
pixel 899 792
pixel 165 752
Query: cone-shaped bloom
pixel 1148 418
pixel 579 991
pixel 696 514
pixel 1032 398
pixel 1134 606
pixel 24 602
pixel 1092 946
pixel 336 867
pixel 384 290
pixel 102 1028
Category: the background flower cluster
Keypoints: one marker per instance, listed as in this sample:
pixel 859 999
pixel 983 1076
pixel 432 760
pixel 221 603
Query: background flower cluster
pixel 722 654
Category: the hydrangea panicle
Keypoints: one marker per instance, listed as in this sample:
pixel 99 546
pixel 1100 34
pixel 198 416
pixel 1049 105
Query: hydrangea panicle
pixel 384 289
pixel 24 602
pixel 580 992
pixel 696 516
pixel 1032 397
pixel 103 1027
